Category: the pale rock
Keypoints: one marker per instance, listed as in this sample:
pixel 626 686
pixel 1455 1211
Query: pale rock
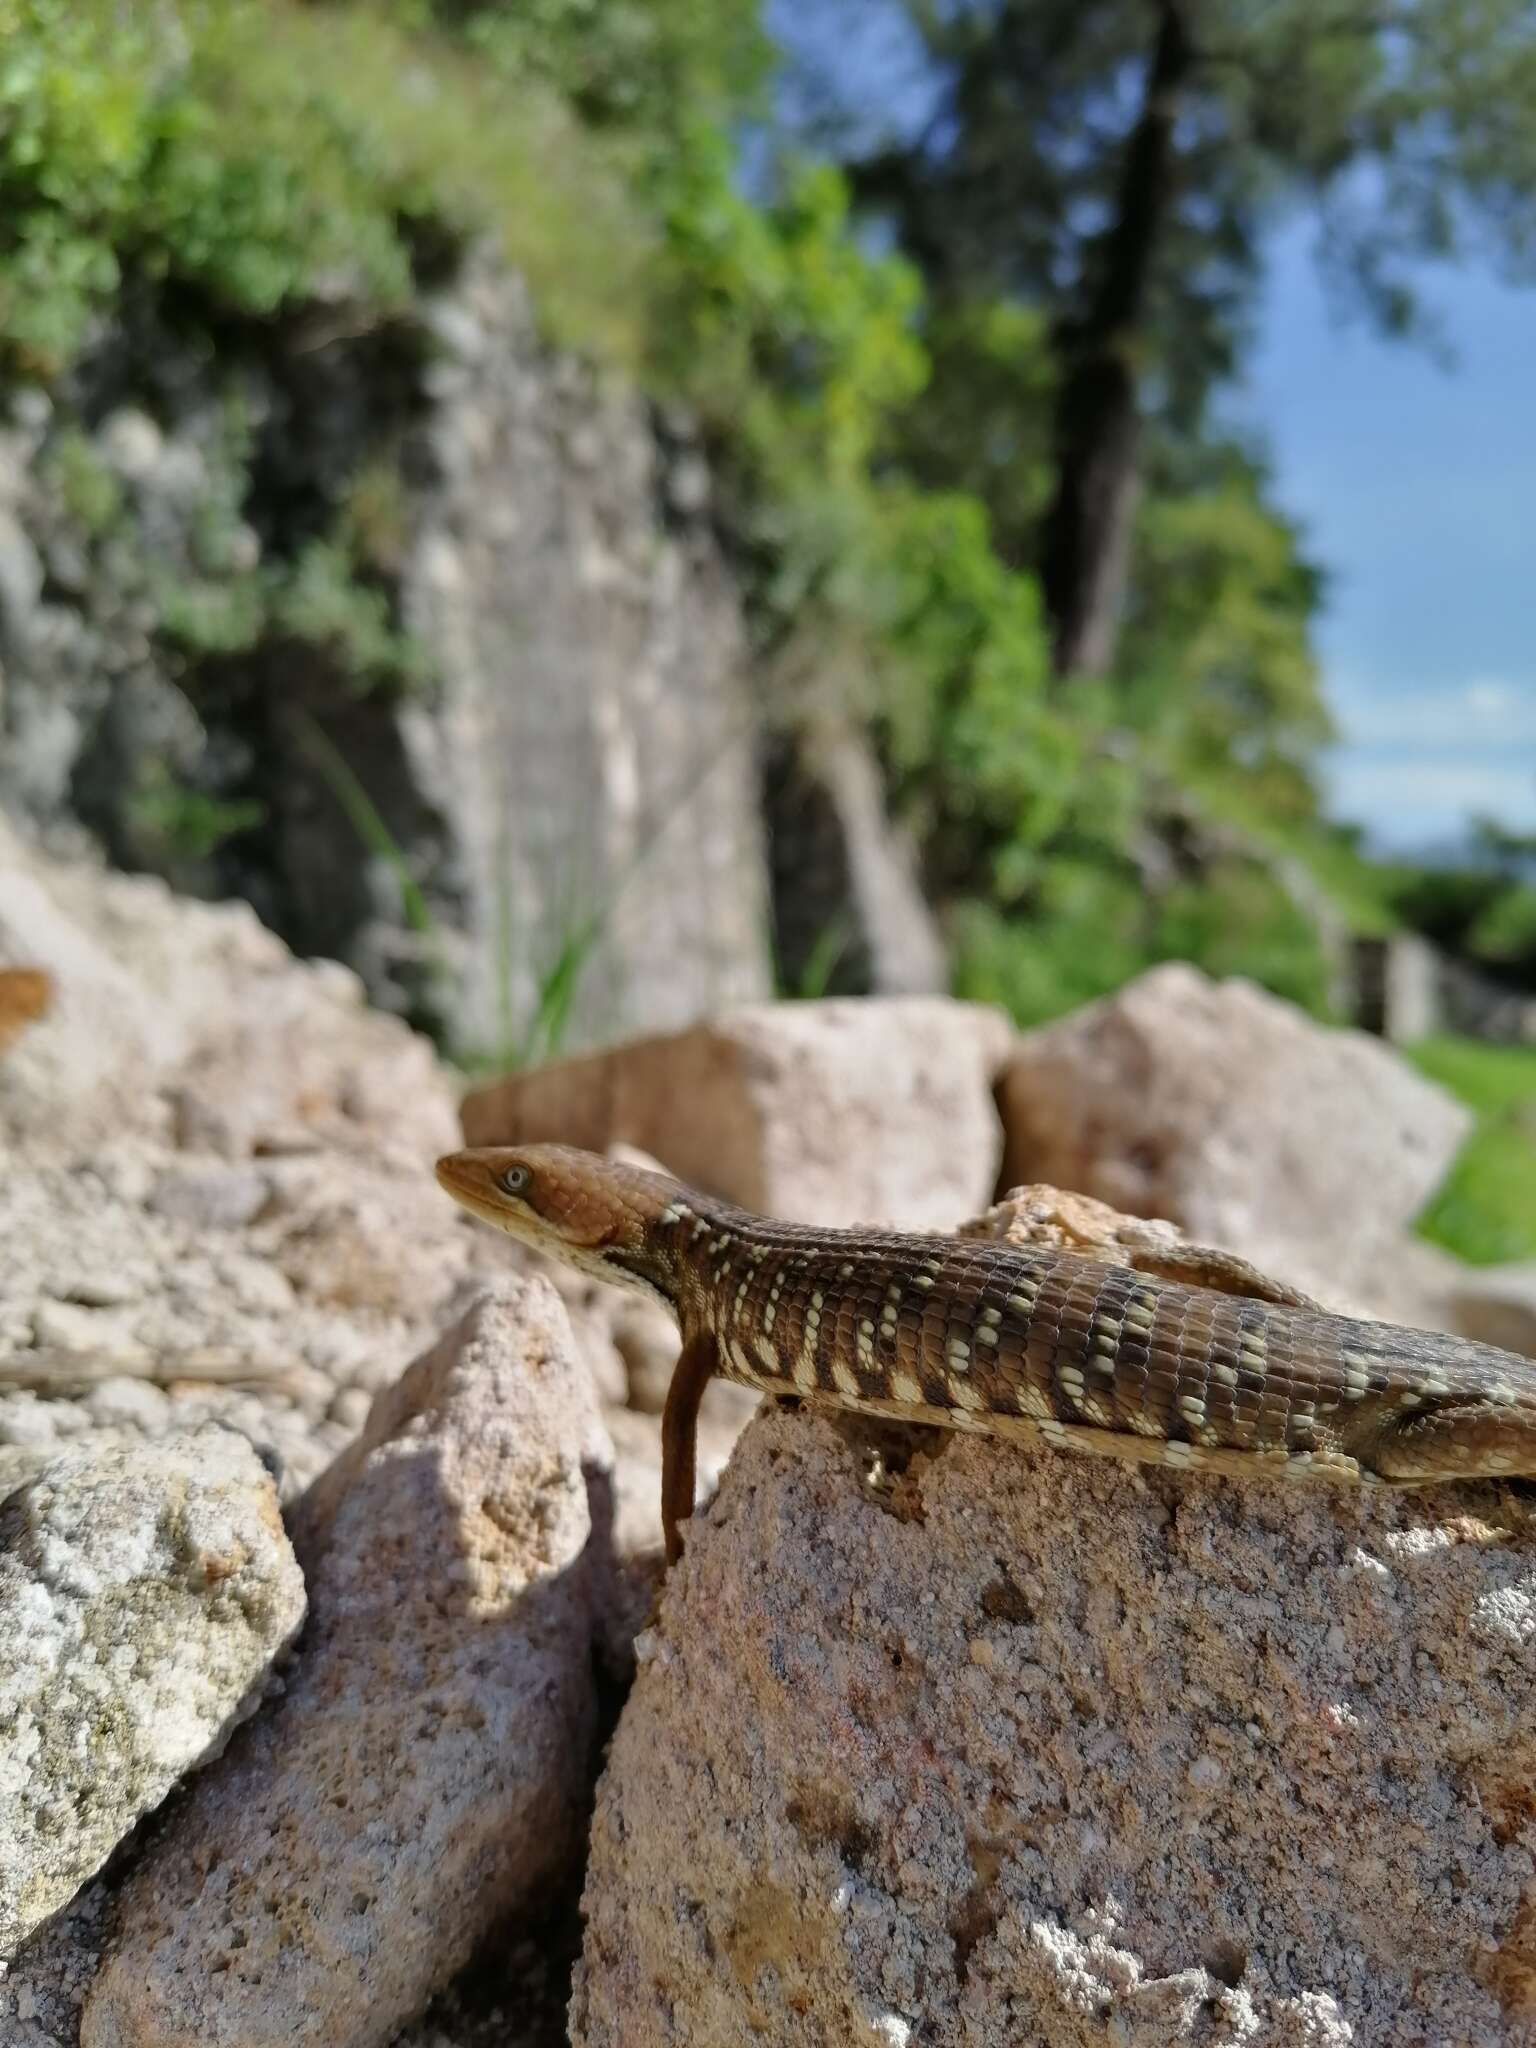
pixel 220 1197
pixel 91 1332
pixel 1307 1150
pixel 171 1013
pixel 425 1774
pixel 100 1037
pixel 352 1262
pixel 217 1180
pixel 836 1112
pixel 145 1595
pixel 966 1745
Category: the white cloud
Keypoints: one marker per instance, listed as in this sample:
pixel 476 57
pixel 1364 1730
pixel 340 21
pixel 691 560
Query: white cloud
pixel 1408 801
pixel 1415 766
pixel 1481 712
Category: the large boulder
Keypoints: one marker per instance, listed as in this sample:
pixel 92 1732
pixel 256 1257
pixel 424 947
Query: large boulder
pixel 144 1599
pixel 833 1112
pixel 426 1773
pixel 939 1741
pixel 217 1202
pixel 1307 1150
pixel 169 1017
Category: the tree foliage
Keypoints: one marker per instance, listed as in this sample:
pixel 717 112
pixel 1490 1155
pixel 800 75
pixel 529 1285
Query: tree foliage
pixel 1117 165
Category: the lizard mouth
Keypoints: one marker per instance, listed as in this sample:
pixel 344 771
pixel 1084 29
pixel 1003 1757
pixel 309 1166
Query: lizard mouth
pixel 473 1187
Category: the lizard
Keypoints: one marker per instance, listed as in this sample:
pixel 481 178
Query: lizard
pixel 1029 1343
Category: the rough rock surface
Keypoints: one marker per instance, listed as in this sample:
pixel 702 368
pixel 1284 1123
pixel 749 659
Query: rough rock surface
pixel 216 1200
pixel 834 1112
pixel 189 1022
pixel 1306 1150
pixel 43 1989
pixel 143 1602
pixel 426 1772
pixel 1047 1749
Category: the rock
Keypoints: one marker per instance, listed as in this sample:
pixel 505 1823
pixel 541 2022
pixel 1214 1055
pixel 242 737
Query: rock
pixel 516 1994
pixel 647 1341
pixel 189 1017
pixel 1497 1305
pixel 425 1774
pixel 144 1598
pixel 352 1262
pixel 221 1197
pixel 941 1742
pixel 1306 1150
pixel 100 1038
pixel 833 1112
pixel 216 1183
pixel 1060 1220
pixel 44 1985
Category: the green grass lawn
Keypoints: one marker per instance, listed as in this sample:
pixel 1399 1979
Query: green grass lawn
pixel 1486 1208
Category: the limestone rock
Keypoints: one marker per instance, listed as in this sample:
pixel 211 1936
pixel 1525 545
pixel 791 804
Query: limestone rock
pixel 144 1598
pixel 100 1028
pixel 581 781
pixel 832 1112
pixel 216 1201
pixel 941 1742
pixel 426 1772
pixel 134 1301
pixel 170 1015
pixel 1306 1150
pixel 1060 1220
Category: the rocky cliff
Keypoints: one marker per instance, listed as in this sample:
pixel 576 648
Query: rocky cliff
pixel 416 636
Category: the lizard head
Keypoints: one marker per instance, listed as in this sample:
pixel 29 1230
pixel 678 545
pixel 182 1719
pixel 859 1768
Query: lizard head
pixel 597 1214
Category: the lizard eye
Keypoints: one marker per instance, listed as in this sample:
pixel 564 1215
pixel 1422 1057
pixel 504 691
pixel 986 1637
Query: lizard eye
pixel 515 1180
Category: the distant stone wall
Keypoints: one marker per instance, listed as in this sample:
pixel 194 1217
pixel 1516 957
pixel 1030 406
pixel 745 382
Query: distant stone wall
pixel 1405 989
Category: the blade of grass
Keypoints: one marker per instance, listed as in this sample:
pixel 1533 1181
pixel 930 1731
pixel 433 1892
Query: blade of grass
pixel 364 817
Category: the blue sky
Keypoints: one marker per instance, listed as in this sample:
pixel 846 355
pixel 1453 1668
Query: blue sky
pixel 1416 485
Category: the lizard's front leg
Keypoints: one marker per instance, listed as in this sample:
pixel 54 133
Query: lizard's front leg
pixel 693 1372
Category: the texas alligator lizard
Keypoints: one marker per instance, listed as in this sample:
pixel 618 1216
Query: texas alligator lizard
pixel 1040 1344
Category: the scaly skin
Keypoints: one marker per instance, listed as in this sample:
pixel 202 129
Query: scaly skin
pixel 1009 1340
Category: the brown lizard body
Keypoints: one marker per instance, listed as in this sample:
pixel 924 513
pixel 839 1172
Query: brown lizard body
pixel 1013 1341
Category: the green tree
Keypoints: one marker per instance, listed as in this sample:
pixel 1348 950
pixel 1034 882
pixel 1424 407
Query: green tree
pixel 1116 163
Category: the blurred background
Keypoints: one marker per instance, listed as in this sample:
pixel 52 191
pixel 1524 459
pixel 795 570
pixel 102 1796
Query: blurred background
pixel 595 510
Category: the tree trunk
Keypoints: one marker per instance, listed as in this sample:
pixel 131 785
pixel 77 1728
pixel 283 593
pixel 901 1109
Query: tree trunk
pixel 1087 535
